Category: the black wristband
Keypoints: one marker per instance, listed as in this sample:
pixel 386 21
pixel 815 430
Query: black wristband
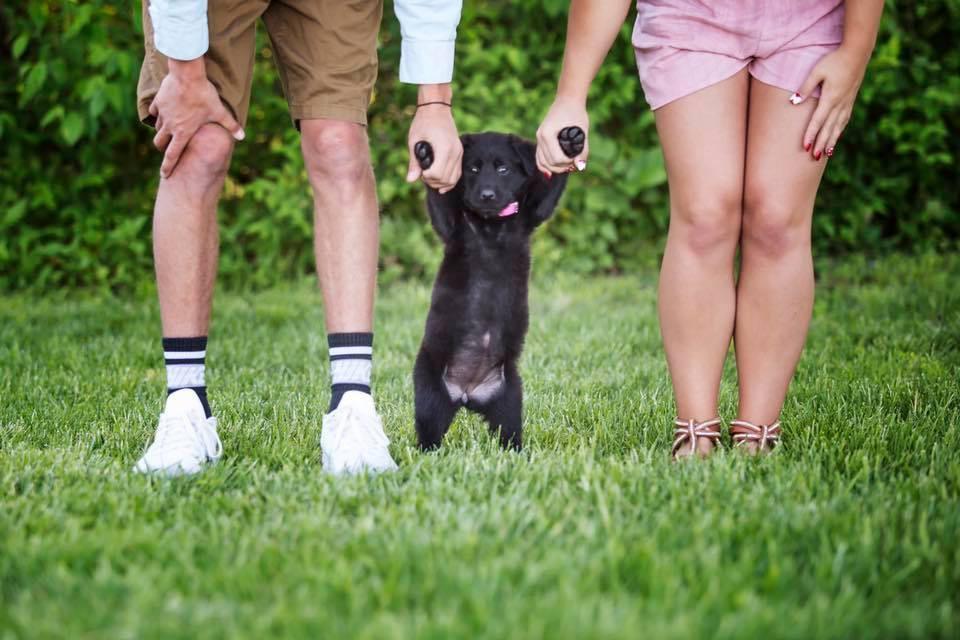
pixel 424 104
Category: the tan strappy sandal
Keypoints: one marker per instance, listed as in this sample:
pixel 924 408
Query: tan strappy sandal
pixel 766 437
pixel 689 430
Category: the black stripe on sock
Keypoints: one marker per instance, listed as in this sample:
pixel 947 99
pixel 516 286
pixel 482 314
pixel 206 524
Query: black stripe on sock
pixel 337 391
pixel 350 340
pixel 185 344
pixel 353 356
pixel 201 393
pixel 184 360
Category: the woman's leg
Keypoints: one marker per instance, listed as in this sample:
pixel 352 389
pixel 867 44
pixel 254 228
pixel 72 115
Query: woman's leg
pixel 704 138
pixel 775 290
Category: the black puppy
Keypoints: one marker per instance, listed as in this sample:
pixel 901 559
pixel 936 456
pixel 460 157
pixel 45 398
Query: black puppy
pixel 478 314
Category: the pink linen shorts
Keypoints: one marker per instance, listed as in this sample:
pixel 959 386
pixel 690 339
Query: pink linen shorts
pixel 683 46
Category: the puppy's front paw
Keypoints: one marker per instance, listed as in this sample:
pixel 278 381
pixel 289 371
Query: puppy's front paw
pixel 571 141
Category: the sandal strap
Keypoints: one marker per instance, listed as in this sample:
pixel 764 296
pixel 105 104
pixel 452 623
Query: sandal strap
pixel 763 434
pixel 690 430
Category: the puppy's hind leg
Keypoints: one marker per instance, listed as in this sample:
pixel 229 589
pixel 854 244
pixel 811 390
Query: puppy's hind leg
pixel 433 409
pixel 504 411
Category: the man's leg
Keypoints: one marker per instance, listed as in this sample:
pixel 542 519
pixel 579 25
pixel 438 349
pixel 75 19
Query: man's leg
pixel 185 247
pixel 346 242
pixel 337 157
pixel 347 220
pixel 185 238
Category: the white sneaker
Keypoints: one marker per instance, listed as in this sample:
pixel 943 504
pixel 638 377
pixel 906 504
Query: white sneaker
pixel 352 440
pixel 185 441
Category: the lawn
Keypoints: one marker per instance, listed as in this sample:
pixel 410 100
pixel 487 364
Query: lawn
pixel 851 530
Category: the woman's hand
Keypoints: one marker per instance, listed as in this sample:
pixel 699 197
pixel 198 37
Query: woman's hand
pixel 564 112
pixel 839 73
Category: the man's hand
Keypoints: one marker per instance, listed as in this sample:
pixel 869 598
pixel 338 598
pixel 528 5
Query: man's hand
pixel 185 102
pixel 434 124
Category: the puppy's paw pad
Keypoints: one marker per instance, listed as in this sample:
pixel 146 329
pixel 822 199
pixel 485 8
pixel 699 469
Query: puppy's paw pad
pixel 571 141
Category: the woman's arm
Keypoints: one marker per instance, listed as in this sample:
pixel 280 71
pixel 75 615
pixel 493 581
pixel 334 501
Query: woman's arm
pixel 861 23
pixel 840 73
pixel 592 27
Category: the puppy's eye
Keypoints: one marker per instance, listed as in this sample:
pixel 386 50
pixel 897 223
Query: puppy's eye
pixel 503 169
pixel 474 169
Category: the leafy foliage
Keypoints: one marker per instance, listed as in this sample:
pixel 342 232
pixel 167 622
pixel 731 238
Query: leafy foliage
pixel 79 173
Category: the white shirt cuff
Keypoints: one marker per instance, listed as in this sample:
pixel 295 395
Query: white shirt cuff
pixel 180 37
pixel 426 62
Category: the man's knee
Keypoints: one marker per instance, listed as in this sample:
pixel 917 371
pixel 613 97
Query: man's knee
pixel 207 156
pixel 335 152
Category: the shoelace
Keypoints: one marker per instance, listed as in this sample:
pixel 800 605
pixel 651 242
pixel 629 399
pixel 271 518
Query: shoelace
pixel 743 431
pixel 178 431
pixel 691 430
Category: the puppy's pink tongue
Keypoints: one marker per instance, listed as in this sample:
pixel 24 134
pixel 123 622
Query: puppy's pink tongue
pixel 509 210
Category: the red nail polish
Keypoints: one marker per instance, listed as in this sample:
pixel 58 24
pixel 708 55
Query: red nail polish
pixel 806 146
pixel 547 175
pixel 817 155
pixel 830 152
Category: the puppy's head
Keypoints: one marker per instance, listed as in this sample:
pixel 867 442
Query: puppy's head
pixel 495 175
pixel 500 183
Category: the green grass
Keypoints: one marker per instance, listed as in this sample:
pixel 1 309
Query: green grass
pixel 851 530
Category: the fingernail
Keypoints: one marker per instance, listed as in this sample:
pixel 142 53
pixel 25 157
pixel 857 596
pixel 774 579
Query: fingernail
pixel 547 174
pixel 581 165
pixel 817 155
pixel 806 146
pixel 796 98
pixel 240 135
pixel 829 152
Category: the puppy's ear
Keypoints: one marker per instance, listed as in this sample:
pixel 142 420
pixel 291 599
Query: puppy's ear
pixel 526 153
pixel 445 210
pixel 467 141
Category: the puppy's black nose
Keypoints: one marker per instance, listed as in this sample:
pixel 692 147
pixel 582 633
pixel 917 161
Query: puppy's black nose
pixel 487 194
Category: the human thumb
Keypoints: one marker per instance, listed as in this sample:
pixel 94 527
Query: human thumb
pixel 413 170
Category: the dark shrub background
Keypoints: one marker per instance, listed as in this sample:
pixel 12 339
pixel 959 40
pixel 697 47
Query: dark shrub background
pixel 78 171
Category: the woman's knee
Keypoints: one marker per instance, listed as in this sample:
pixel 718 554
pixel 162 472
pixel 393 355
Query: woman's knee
pixel 708 225
pixel 774 226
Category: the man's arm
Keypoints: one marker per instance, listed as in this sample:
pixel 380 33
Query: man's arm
pixel 429 30
pixel 180 29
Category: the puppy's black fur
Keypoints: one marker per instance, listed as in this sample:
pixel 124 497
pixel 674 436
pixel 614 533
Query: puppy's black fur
pixel 478 314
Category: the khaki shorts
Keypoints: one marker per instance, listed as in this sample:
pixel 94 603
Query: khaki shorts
pixel 325 50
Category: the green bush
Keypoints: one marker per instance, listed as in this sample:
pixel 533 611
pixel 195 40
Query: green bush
pixel 79 173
